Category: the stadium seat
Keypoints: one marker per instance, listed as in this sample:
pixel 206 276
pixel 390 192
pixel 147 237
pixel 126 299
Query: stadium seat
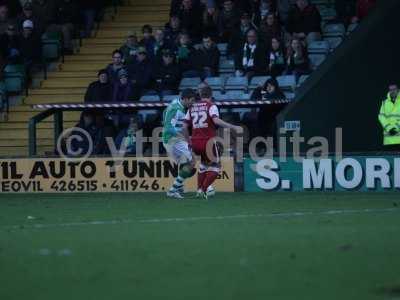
pixel 302 79
pixel 319 47
pixel 197 46
pixel 219 96
pixel 327 13
pixel 226 66
pixel 52 47
pixel 14 78
pixel 334 30
pixel 352 27
pixel 150 98
pixel 3 97
pixel 316 60
pixel 223 48
pixel 257 81
pixel 216 83
pixel 189 83
pixel 169 98
pixel 289 95
pixel 237 95
pixel 236 83
pixel 334 41
pixel 287 82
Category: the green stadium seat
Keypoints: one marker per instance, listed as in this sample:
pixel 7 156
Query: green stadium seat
pixel 237 95
pixel 316 60
pixel 150 98
pixel 223 49
pixel 319 47
pixel 334 41
pixel 226 66
pixel 236 83
pixel 189 83
pixel 216 83
pixel 3 96
pixel 334 30
pixel 52 46
pixel 257 81
pixel 287 82
pixel 14 78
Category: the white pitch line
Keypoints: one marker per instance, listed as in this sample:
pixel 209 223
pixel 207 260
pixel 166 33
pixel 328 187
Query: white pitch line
pixel 209 218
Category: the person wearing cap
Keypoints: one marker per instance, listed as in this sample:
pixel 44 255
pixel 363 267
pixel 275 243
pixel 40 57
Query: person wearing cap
pixel 140 73
pixel 29 14
pixel 30 45
pixel 100 90
pixel 123 90
pixel 130 48
pixel 239 35
pixel 166 75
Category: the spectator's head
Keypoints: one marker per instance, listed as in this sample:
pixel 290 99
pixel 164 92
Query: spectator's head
pixel 174 22
pixel 167 56
pixel 132 40
pixel 123 76
pixel 159 35
pixel 184 39
pixel 117 57
pixel 87 118
pixel 11 30
pixel 205 92
pixel 208 43
pixel 141 54
pixel 251 37
pixel 147 31
pixel 103 76
pixel 28 10
pixel 270 19
pixel 393 91
pixel 3 12
pixel 275 44
pixel 271 86
pixel 245 20
pixel 27 27
pixel 295 45
pixel 188 96
pixel 302 4
pixel 187 4
pixel 228 6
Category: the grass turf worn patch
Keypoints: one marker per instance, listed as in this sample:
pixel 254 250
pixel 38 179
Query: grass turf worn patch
pixel 235 246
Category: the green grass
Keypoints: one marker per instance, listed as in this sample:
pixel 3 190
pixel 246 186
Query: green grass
pixel 355 255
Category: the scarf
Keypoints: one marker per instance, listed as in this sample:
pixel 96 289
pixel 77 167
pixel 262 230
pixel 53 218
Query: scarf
pixel 248 55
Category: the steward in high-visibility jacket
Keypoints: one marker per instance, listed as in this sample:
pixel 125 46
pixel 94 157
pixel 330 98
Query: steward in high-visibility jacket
pixel 389 117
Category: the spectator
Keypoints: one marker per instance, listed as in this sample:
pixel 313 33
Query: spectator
pixel 45 10
pixel 304 22
pixel 89 9
pixel 389 117
pixel 260 9
pixel 277 60
pixel 126 139
pixel 100 90
pixel 190 14
pixel 14 7
pixel 129 49
pixel 123 90
pixel 282 8
pixel 10 45
pixel 269 91
pixel 66 17
pixel 297 60
pixel 239 35
pixel 172 30
pixel 185 56
pixel 251 59
pixel 4 19
pixel 207 58
pixel 140 73
pixel 270 29
pixel 210 21
pixel 115 66
pixel 160 45
pixel 148 41
pixel 30 45
pixel 228 20
pixel 28 14
pixel 166 74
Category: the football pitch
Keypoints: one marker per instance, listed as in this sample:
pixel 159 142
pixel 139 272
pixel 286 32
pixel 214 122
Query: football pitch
pixel 233 246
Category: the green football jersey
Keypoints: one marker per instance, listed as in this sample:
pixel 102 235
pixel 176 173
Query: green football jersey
pixel 173 118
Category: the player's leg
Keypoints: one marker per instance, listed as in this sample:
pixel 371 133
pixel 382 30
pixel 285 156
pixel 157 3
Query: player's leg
pixel 212 160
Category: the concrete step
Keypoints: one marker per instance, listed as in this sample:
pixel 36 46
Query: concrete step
pixel 60 83
pixel 89 58
pixel 86 67
pixel 66 74
pixel 22 134
pixel 114 41
pixel 26 116
pixel 40 99
pixel 41 125
pixel 23 151
pixel 61 91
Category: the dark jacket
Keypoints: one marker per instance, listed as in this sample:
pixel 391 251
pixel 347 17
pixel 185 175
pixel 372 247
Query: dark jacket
pixel 237 39
pixel 260 60
pixel 261 94
pixel 207 58
pixel 308 20
pixel 38 24
pixel 171 35
pixel 123 93
pixel 140 73
pixel 166 77
pixel 186 62
pixel 67 12
pixel 192 20
pixel 227 24
pixel 98 92
pixel 30 47
pixel 298 64
pixel 113 73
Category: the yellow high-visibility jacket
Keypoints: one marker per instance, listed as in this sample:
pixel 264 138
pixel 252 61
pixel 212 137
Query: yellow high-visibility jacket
pixel 389 117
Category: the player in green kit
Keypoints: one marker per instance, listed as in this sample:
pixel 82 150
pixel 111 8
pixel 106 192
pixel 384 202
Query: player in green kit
pixel 175 140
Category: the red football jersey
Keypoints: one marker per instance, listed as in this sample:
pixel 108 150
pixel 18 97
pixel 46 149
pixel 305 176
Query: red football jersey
pixel 200 117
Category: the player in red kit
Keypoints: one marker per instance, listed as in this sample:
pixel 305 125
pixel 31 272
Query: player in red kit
pixel 203 118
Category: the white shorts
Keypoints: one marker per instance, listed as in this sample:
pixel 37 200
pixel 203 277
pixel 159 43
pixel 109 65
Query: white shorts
pixel 179 152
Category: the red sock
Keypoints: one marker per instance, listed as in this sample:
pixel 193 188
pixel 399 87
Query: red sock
pixel 210 178
pixel 200 179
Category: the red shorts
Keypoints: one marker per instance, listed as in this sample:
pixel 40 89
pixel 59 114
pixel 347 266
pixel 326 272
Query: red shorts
pixel 210 155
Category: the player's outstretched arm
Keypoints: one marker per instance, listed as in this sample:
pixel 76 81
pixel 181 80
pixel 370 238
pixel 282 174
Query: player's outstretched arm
pixel 222 123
